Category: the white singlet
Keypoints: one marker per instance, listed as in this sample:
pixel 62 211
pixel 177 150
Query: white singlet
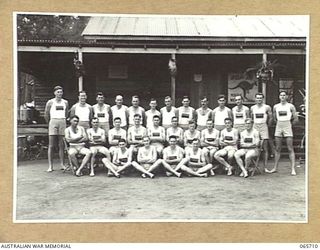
pixel 121 113
pixel 101 112
pixel 220 115
pixel 58 109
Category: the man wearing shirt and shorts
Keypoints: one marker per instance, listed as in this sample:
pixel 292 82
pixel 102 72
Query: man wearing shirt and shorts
pixel 186 113
pixel 285 115
pixel 175 131
pixel 97 139
pixel 262 118
pixel 151 113
pixel 135 134
pixel 228 140
pixel 134 110
pixel 120 110
pixel 115 134
pixel 167 112
pixel 102 111
pixel 157 135
pixel 249 144
pixel 76 137
pixel 210 142
pixel 83 110
pixel 172 156
pixel 56 112
pixel 203 114
pixel 240 113
pixel 194 162
pixel 220 113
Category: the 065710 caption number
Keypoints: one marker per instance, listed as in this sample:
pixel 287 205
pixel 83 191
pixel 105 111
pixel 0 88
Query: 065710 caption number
pixel 310 245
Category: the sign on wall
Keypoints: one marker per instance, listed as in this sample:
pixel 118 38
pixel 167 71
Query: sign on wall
pixel 238 84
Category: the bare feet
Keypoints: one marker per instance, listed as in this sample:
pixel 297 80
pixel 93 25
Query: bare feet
pixel 50 169
pixel 91 174
pixel 212 172
pixel 293 172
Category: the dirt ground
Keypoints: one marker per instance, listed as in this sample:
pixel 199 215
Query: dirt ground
pixel 62 196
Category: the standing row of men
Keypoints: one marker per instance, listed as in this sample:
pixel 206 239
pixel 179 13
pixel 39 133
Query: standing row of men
pixel 173 120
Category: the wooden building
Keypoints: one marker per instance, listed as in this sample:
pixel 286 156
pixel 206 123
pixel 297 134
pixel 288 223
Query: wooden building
pixel 129 54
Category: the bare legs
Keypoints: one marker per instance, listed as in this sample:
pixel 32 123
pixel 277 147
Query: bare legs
pixel 52 142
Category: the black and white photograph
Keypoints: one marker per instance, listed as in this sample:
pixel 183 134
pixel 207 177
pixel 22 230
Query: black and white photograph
pixel 160 118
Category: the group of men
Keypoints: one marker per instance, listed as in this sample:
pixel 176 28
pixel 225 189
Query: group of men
pixel 180 139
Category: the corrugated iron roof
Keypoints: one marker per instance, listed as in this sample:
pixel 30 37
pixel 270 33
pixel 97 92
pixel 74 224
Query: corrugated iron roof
pixel 196 26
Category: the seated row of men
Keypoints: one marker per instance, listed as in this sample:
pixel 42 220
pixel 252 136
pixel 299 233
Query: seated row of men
pixel 146 150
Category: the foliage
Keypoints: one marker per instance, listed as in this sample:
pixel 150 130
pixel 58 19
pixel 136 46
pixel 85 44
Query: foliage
pixel 51 27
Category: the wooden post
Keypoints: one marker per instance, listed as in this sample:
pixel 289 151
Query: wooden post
pixel 80 80
pixel 173 84
pixel 264 84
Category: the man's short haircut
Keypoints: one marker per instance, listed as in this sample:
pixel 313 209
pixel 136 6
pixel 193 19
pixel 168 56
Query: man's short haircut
pixel 117 118
pixel 135 96
pixel 99 94
pixel 145 136
pixel 57 88
pixel 204 97
pixel 282 91
pixel 152 100
pixel 227 119
pixel 74 116
pixel 156 116
pixel 240 96
pixel 167 97
pixel 119 96
pixel 137 115
pixel 259 93
pixel 94 118
pixel 210 120
pixel 191 122
pixel 173 137
pixel 185 97
pixel 82 92
pixel 221 96
pixel 122 140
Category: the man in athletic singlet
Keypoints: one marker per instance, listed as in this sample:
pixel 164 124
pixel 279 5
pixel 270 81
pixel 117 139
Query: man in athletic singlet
pixel 175 131
pixel 151 113
pixel 240 113
pixel 136 109
pixel 262 118
pixel 249 147
pixel 228 141
pixel 194 162
pixel 157 135
pixel 147 157
pixel 115 134
pixel 285 116
pixel 120 110
pixel 191 134
pixel 56 112
pixel 210 142
pixel 167 112
pixel 83 110
pixel 122 160
pixel 204 113
pixel 186 113
pixel 172 156
pixel 76 137
pixel 135 134
pixel 97 140
pixel 220 113
pixel 102 111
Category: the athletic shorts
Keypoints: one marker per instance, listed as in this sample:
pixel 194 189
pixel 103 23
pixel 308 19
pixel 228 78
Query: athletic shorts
pixel 57 126
pixel 263 129
pixel 240 127
pixel 184 126
pixel 84 124
pixel 78 150
pixel 206 150
pixel 219 127
pixel 244 151
pixel 105 126
pixel 228 150
pixel 200 127
pixel 283 129
pixel 99 149
pixel 146 166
